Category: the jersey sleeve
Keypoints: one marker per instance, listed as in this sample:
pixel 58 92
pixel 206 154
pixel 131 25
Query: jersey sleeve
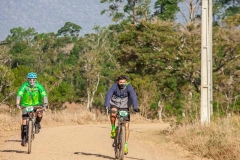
pixel 42 90
pixel 21 90
pixel 109 95
pixel 133 97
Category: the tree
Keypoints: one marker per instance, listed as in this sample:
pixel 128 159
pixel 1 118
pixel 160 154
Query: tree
pixel 225 8
pixel 96 64
pixel 193 9
pixel 45 41
pixel 152 49
pixel 69 29
pixel 132 10
pixel 6 77
pixel 226 69
pixel 21 35
pixel 166 9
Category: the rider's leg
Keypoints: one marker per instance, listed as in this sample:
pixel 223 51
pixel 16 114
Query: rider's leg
pixel 113 116
pixel 39 116
pixel 127 131
pixel 24 127
pixel 113 120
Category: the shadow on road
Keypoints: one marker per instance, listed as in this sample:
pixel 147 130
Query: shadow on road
pixel 97 155
pixel 103 156
pixel 12 141
pixel 134 158
pixel 100 127
pixel 13 151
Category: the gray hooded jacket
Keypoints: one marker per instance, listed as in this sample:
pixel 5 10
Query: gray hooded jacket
pixel 121 98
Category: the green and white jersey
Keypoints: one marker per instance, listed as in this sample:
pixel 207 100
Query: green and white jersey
pixel 31 96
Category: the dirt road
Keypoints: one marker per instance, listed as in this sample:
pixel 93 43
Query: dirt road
pixel 92 142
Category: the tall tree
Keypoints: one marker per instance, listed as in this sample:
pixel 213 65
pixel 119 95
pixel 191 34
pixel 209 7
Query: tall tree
pixel 193 10
pixel 94 57
pixel 166 9
pixel 225 8
pixel 70 29
pixel 132 10
pixel 20 34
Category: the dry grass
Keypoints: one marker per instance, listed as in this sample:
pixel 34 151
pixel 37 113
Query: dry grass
pixel 51 118
pixel 74 114
pixel 220 140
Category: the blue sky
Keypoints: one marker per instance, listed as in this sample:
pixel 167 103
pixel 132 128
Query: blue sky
pixel 50 15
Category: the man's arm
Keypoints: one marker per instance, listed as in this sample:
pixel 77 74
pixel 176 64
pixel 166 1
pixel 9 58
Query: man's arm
pixel 109 95
pixel 133 96
pixel 43 94
pixel 18 102
pixel 20 92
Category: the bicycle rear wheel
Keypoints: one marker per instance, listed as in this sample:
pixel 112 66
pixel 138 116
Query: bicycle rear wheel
pixel 122 142
pixel 30 129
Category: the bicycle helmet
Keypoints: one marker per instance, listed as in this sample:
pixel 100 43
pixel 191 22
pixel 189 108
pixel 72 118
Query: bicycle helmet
pixel 32 75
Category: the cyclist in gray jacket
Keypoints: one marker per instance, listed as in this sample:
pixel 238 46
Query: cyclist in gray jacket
pixel 120 97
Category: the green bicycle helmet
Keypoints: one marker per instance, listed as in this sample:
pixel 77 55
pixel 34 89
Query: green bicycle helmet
pixel 32 75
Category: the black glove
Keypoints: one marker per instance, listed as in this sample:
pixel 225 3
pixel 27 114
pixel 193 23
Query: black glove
pixel 136 110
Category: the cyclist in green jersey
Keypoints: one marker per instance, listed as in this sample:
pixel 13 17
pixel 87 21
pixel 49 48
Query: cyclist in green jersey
pixel 31 93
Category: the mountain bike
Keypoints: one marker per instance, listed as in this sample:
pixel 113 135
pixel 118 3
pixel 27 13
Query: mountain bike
pixel 30 134
pixel 120 139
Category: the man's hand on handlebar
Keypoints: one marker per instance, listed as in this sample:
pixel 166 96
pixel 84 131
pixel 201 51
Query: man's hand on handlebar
pixel 45 106
pixel 107 109
pixel 18 106
pixel 136 110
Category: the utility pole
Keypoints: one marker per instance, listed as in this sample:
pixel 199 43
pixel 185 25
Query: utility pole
pixel 210 54
pixel 206 62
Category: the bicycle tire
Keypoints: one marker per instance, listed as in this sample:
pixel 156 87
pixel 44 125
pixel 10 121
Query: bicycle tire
pixel 122 142
pixel 116 141
pixel 30 129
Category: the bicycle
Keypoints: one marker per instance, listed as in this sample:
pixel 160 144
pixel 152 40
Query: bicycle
pixel 120 139
pixel 30 134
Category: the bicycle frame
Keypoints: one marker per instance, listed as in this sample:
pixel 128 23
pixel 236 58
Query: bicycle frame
pixel 120 139
pixel 31 118
pixel 30 134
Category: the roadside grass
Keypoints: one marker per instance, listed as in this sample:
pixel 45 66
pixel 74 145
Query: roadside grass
pixel 10 121
pixel 220 140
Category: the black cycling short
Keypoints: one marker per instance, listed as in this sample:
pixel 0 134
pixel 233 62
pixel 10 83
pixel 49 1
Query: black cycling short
pixel 127 118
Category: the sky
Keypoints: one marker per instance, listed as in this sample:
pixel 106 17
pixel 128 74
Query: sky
pixel 50 15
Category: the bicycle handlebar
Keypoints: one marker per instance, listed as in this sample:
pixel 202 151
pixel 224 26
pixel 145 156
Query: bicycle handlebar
pixel 112 111
pixel 35 107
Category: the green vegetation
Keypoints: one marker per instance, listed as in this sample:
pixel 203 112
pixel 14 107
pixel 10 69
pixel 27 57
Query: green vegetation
pixel 161 58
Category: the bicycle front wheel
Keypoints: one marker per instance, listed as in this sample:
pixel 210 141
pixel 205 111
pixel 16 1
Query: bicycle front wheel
pixel 30 129
pixel 122 142
pixel 116 143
